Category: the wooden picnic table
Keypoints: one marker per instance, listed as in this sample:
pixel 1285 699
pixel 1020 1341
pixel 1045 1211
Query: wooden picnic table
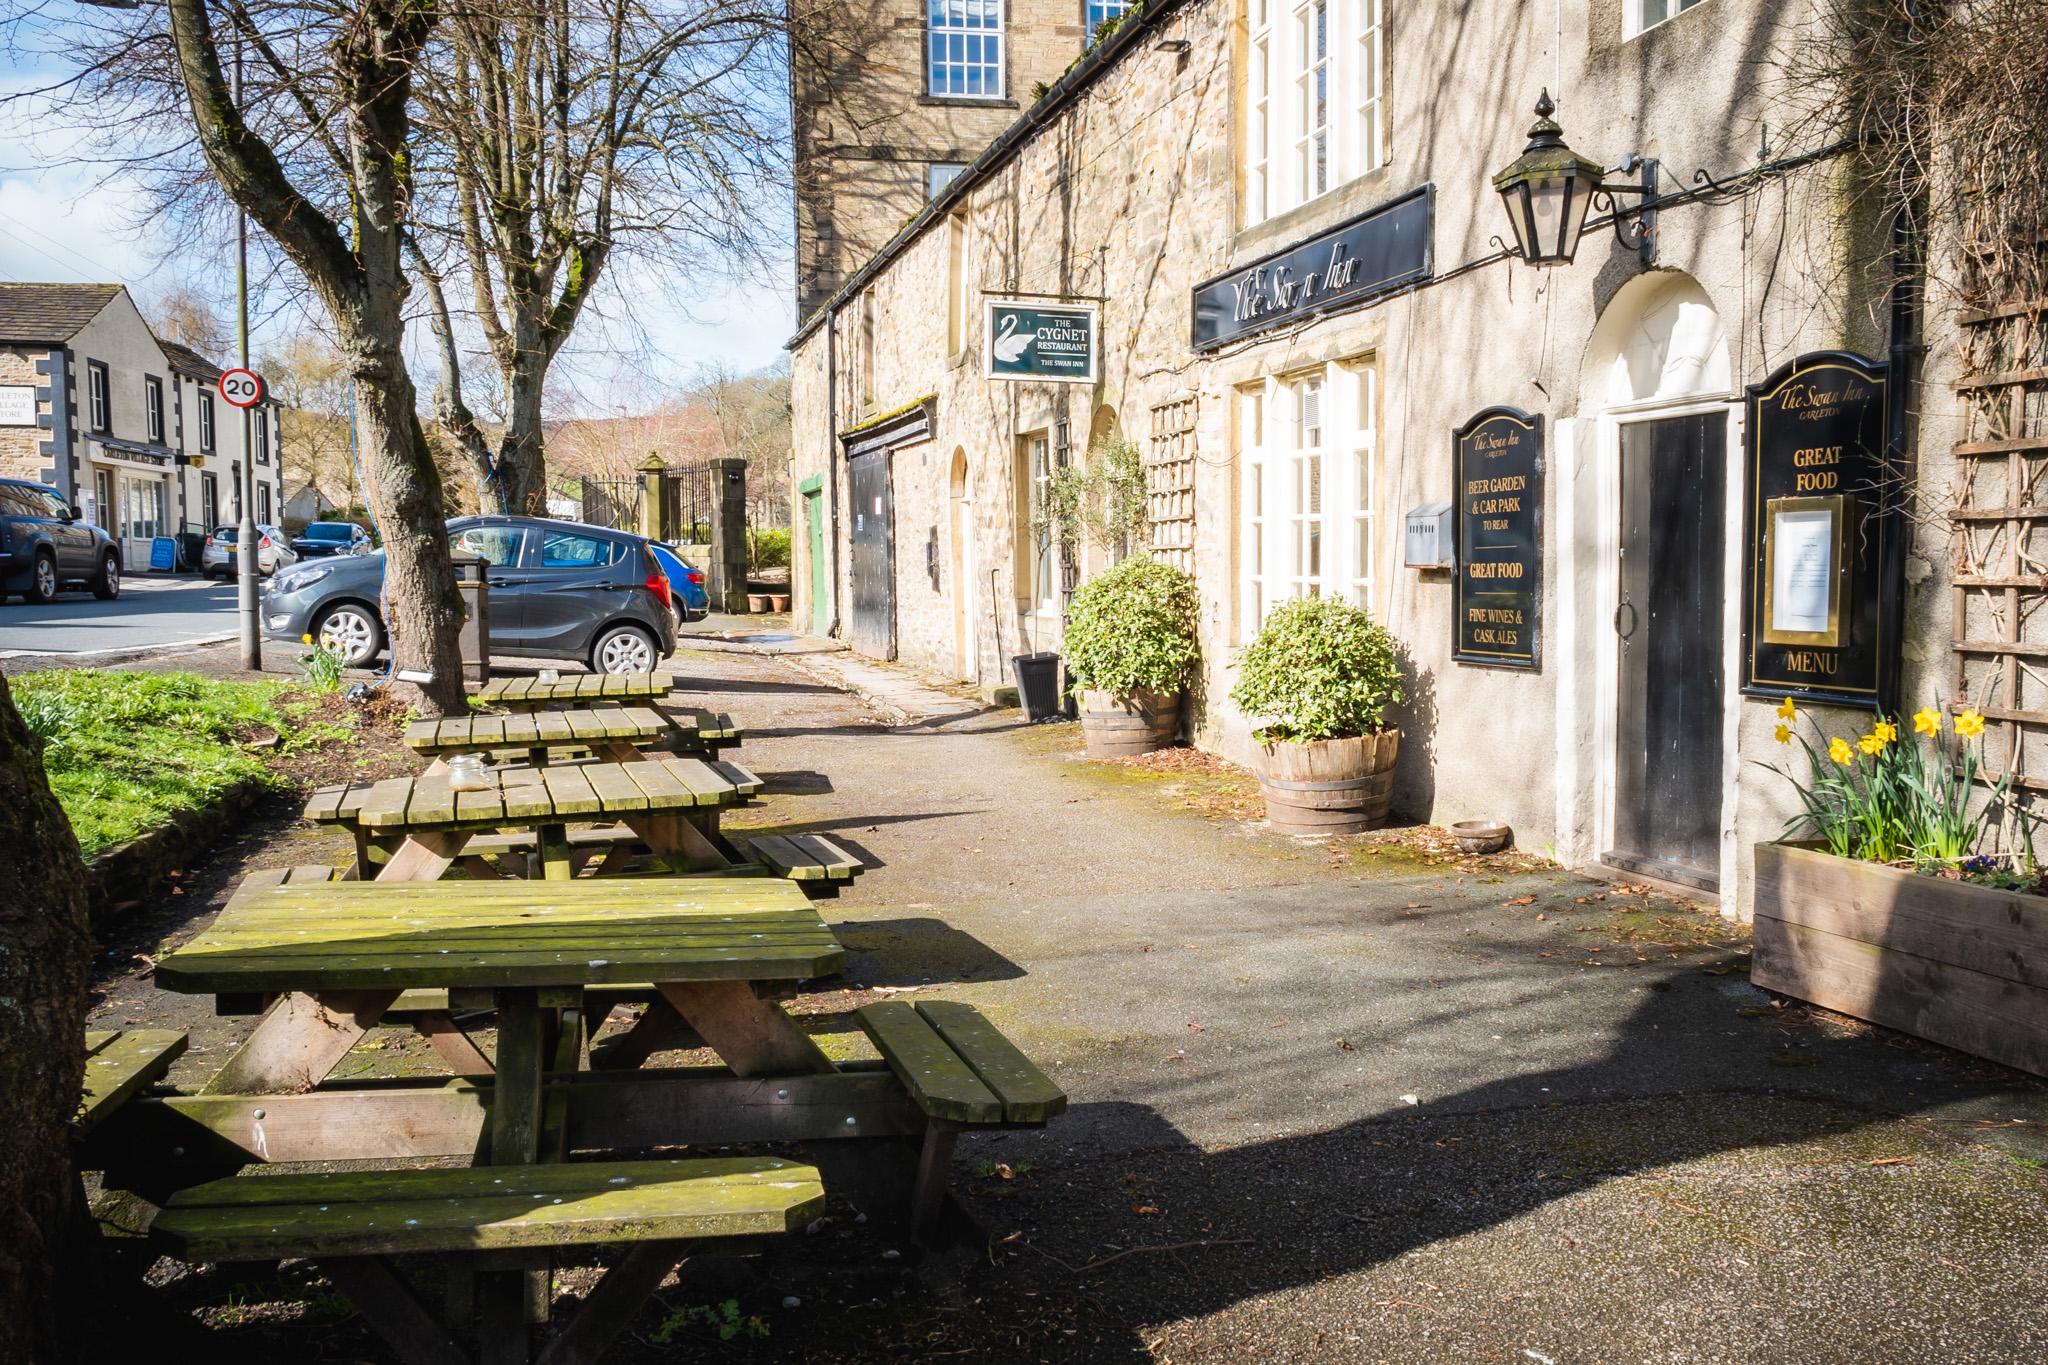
pixel 578 689
pixel 337 955
pixel 623 734
pixel 670 804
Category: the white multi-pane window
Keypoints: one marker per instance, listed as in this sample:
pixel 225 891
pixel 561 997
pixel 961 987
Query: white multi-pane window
pixel 940 174
pixel 1315 99
pixel 1644 14
pixel 964 49
pixel 1306 449
pixel 1100 12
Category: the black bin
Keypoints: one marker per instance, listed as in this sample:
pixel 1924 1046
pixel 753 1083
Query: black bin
pixel 1038 684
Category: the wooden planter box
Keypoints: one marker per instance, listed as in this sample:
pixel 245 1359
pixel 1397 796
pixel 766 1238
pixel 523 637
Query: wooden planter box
pixel 1960 965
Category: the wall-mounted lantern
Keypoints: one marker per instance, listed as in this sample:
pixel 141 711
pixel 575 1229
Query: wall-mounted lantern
pixel 1550 188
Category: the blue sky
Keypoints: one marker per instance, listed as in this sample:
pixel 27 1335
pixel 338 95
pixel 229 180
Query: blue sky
pixel 60 222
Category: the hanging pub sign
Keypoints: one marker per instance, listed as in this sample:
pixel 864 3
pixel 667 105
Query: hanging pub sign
pixel 1821 536
pixel 1497 465
pixel 1350 265
pixel 1041 341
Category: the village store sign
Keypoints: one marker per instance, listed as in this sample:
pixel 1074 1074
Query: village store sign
pixel 1041 341
pixel 1347 267
pixel 1823 544
pixel 1497 460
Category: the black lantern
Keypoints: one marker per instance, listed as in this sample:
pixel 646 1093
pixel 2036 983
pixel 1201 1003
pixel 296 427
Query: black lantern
pixel 1548 191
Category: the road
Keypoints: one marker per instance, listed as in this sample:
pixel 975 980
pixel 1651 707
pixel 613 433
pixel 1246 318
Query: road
pixel 149 614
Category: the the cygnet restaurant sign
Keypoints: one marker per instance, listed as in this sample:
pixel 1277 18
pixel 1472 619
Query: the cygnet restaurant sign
pixel 1376 252
pixel 1041 341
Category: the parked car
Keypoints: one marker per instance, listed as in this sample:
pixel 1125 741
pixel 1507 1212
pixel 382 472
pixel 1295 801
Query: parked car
pixel 685 581
pixel 323 538
pixel 273 551
pixel 45 547
pixel 559 590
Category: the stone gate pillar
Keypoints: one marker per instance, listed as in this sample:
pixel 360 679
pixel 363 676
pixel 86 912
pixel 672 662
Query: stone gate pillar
pixel 654 498
pixel 729 534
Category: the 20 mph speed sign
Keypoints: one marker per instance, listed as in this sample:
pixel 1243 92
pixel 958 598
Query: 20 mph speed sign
pixel 241 388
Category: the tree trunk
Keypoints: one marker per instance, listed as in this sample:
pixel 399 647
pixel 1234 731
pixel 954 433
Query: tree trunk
pixel 522 451
pixel 45 958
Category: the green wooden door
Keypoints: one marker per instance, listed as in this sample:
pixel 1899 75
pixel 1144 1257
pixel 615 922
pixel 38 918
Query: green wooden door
pixel 814 542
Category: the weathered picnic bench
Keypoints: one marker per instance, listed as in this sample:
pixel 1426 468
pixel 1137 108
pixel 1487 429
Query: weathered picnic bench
pixel 813 861
pixel 534 694
pixel 622 734
pixel 351 1222
pixel 671 806
pixel 119 1064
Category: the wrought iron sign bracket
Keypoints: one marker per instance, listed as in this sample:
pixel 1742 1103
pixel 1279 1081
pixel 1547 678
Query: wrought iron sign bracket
pixel 1633 227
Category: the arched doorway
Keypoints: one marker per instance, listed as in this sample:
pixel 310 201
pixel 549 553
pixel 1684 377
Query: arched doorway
pixel 1660 396
pixel 960 524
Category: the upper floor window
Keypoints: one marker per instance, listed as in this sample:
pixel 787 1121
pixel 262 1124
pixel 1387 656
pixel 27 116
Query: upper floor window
pixel 206 423
pixel 1100 12
pixel 153 406
pixel 940 174
pixel 260 432
pixel 1316 102
pixel 964 49
pixel 1644 14
pixel 99 397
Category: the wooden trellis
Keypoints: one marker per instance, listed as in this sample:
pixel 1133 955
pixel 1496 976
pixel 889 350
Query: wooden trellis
pixel 2001 537
pixel 1170 482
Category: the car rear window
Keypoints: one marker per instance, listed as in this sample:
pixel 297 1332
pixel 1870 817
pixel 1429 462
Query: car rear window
pixel 329 530
pixel 561 550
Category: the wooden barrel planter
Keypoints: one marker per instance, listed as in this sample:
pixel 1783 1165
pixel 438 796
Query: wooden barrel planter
pixel 1329 786
pixel 1119 725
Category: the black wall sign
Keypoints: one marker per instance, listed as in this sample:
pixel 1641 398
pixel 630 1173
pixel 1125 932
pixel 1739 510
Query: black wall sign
pixel 1380 250
pixel 1821 536
pixel 1497 463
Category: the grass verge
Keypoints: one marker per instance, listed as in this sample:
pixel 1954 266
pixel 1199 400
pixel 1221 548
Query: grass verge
pixel 126 752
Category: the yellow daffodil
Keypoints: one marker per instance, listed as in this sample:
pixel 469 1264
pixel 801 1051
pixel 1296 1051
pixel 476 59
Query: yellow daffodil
pixel 1838 750
pixel 1885 731
pixel 1785 711
pixel 1870 744
pixel 1969 725
pixel 1784 734
pixel 1927 721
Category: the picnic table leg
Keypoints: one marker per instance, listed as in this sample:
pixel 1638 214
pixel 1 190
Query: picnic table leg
pixel 423 857
pixel 674 837
pixel 363 870
pixel 299 1040
pixel 934 1170
pixel 504 1296
pixel 554 854
pixel 753 1036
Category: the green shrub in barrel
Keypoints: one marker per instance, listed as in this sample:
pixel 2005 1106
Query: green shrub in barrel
pixel 1130 651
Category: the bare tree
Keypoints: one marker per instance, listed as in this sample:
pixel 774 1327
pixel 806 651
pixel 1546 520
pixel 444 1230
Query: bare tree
pixel 186 316
pixel 573 141
pixel 306 376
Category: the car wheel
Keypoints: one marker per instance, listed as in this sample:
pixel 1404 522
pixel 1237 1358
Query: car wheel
pixel 351 631
pixel 108 585
pixel 42 582
pixel 623 649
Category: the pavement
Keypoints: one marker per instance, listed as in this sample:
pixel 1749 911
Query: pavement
pixel 152 613
pixel 1358 1100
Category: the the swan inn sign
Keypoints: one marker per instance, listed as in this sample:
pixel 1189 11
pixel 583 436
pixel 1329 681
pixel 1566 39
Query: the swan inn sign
pixel 1056 341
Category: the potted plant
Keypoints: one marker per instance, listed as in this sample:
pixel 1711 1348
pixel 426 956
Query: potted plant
pixel 1321 675
pixel 1130 651
pixel 1881 901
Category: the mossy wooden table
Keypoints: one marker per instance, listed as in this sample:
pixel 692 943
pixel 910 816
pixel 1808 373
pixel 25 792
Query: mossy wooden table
pixel 578 689
pixel 337 954
pixel 670 804
pixel 621 734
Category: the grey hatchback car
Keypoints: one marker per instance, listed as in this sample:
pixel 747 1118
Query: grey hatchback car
pixel 559 590
pixel 45 546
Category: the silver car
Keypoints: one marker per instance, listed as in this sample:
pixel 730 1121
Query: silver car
pixel 273 551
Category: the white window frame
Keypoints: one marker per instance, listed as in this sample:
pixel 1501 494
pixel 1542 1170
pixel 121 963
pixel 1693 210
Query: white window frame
pixel 951 29
pixel 1289 549
pixel 153 407
pixel 259 430
pixel 939 174
pixel 1636 20
pixel 206 439
pixel 99 397
pixel 1096 13
pixel 1289 130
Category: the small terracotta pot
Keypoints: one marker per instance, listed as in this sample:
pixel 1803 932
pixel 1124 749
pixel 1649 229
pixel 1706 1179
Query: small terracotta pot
pixel 779 601
pixel 1481 836
pixel 757 601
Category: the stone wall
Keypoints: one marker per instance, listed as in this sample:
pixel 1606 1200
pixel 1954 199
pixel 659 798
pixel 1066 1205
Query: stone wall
pixel 21 448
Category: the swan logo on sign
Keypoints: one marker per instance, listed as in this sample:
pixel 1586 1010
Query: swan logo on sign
pixel 1041 341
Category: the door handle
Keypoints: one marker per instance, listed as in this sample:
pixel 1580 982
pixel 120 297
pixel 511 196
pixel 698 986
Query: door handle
pixel 1630 608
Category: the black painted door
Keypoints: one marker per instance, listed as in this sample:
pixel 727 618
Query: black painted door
pixel 1667 797
pixel 872 627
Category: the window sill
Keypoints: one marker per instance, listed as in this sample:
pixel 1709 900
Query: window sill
pixel 968 101
pixel 1326 210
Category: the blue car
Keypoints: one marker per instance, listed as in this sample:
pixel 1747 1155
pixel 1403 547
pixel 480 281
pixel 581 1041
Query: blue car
pixel 692 602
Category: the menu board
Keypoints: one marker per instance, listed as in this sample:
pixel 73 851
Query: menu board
pixel 1821 535
pixel 1497 465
